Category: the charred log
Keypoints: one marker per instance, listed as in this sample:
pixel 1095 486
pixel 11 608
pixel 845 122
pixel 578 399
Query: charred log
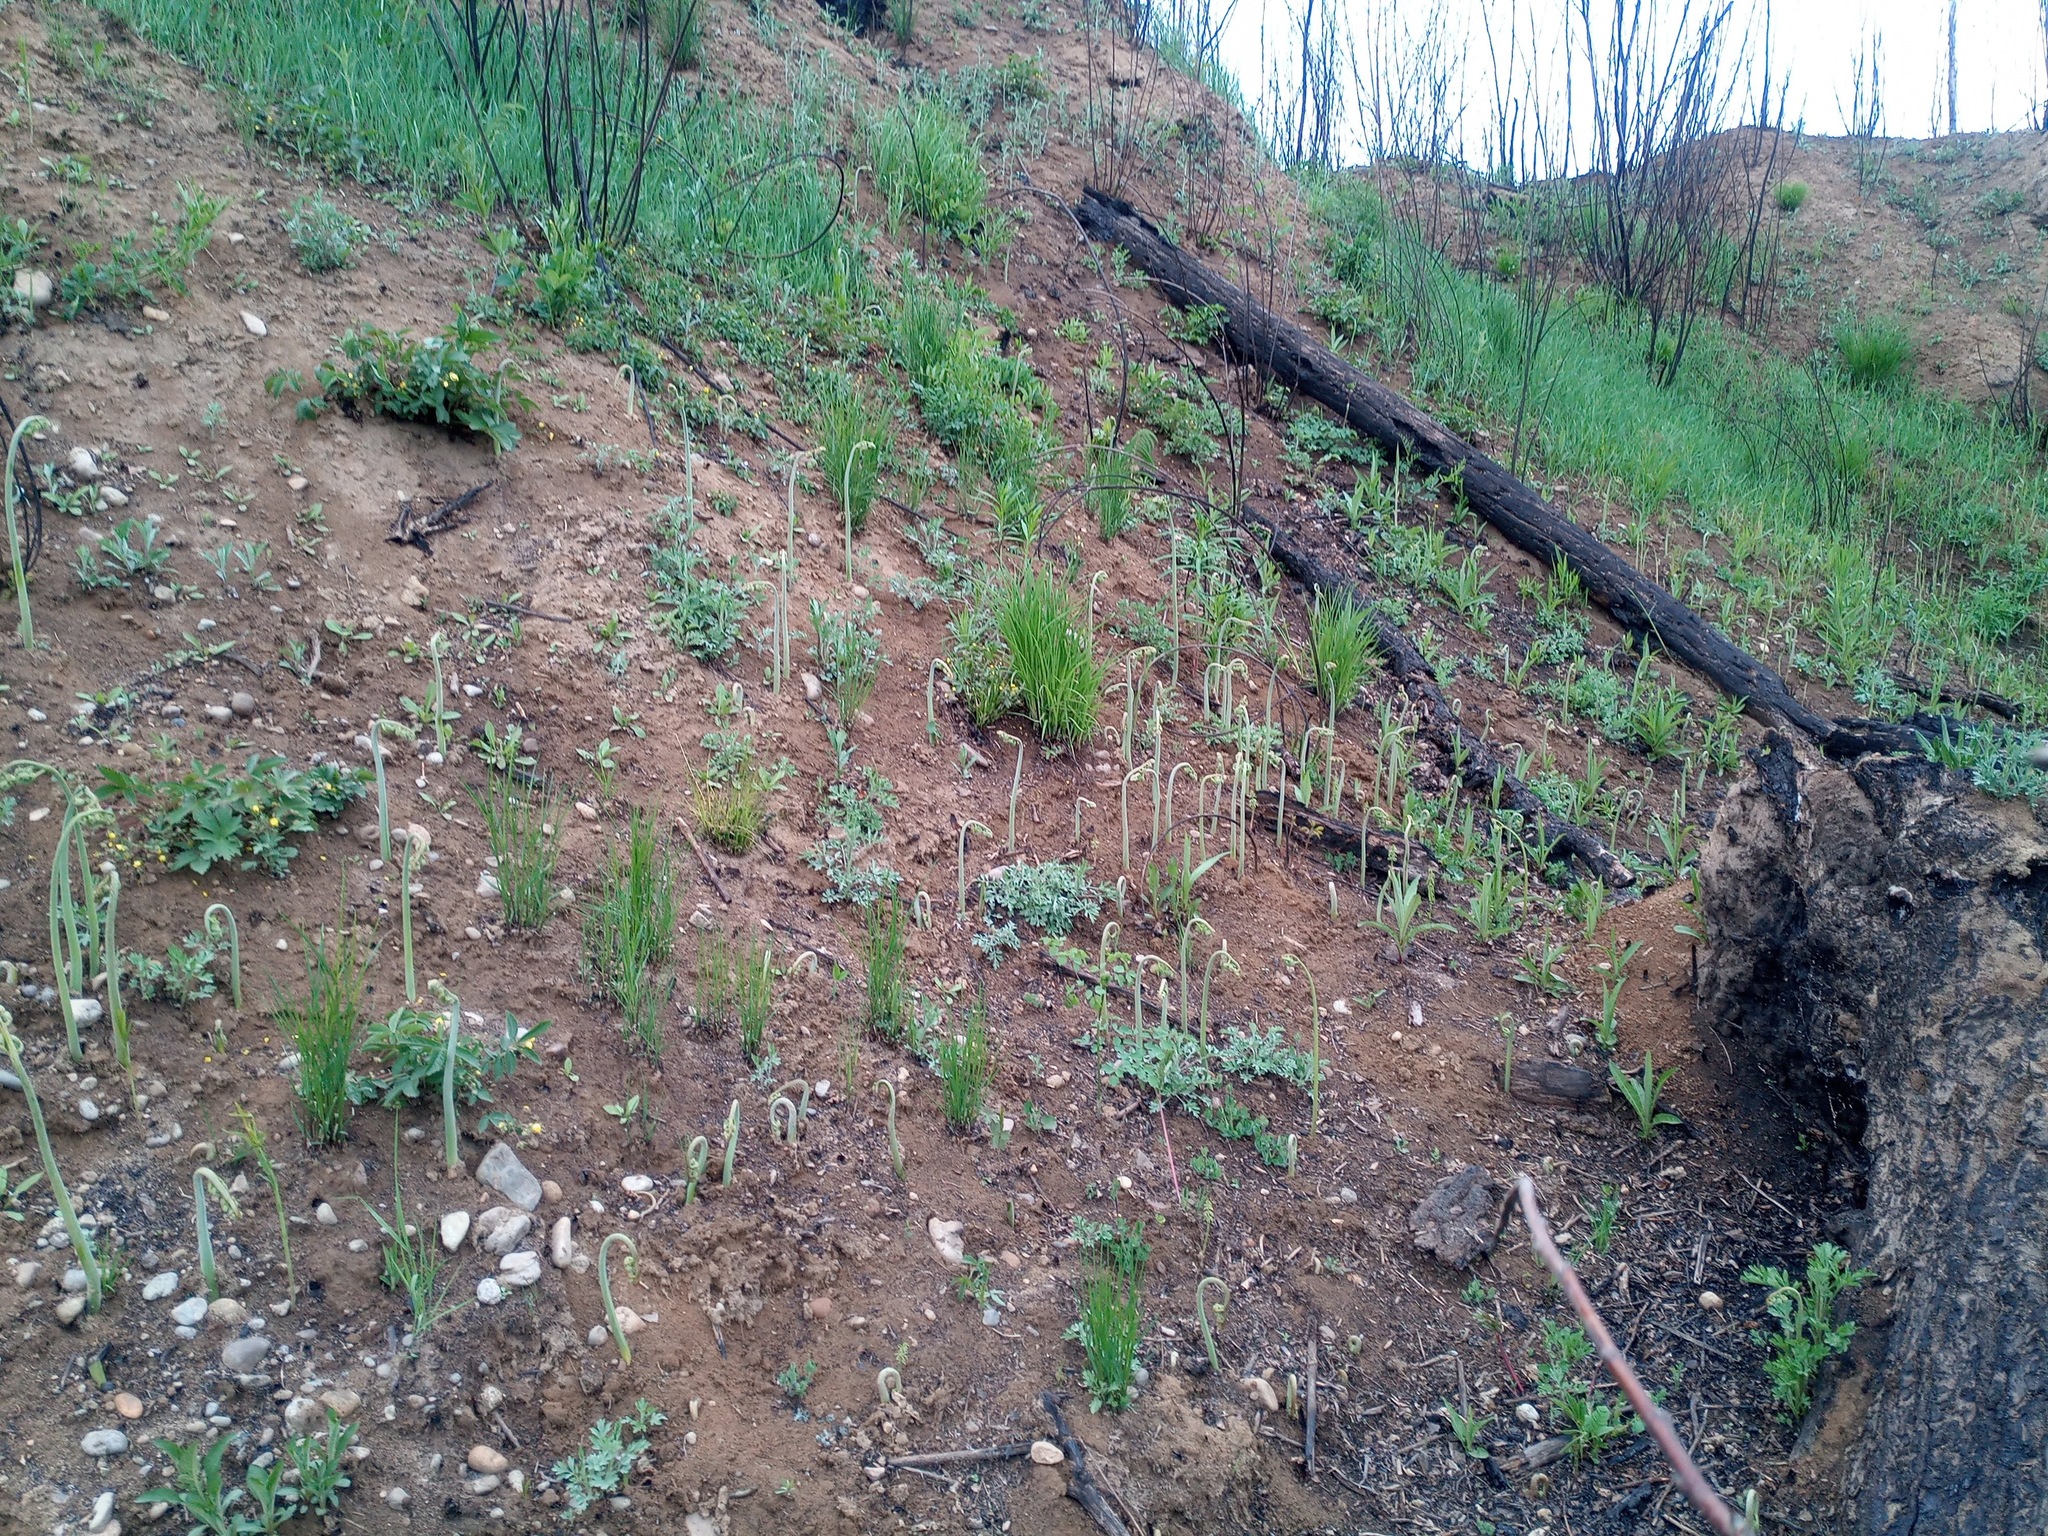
pixel 1879 937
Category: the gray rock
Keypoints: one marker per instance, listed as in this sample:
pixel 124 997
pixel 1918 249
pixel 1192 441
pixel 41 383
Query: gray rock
pixel 243 704
pixel 501 1170
pixel 1460 1219
pixel 26 1273
pixel 508 1235
pixel 88 1111
pixel 516 1269
pixel 35 286
pixel 70 1310
pixel 104 1442
pixel 324 1213
pixel 397 1498
pixel 489 1292
pixel 73 1283
pixel 246 1355
pixel 160 1286
pixel 302 1416
pixel 190 1312
pixel 102 1512
pixel 86 1010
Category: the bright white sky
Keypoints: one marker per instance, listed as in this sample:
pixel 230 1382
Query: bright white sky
pixel 2000 72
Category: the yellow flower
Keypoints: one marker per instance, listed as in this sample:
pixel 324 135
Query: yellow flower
pixel 273 821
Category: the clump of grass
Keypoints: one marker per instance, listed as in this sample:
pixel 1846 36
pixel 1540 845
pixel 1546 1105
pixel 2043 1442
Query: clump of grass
pixel 629 931
pixel 852 432
pixel 1341 649
pixel 1052 654
pixel 1790 196
pixel 1876 353
pixel 966 1067
pixel 754 998
pixel 678 30
pixel 325 1024
pixel 523 831
pixel 882 949
pixel 926 163
pixel 848 650
pixel 714 981
pixel 322 236
pixel 1111 1324
pixel 412 1265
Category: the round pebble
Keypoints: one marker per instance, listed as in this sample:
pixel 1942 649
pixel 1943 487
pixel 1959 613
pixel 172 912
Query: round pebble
pixel 128 1405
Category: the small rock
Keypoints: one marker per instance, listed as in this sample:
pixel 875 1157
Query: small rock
pixel 454 1228
pixel 190 1312
pixel 219 714
pixel 324 1213
pixel 302 1416
pixel 630 1322
pixel 509 1234
pixel 1046 1454
pixel 636 1184
pixel 814 690
pixel 104 1442
pixel 1459 1220
pixel 819 1309
pixel 489 1460
pixel 73 1283
pixel 550 1190
pixel 35 286
pixel 83 465
pixel 245 1355
pixel 1261 1392
pixel 254 324
pixel 414 593
pixel 227 1313
pixel 86 1010
pixel 562 1242
pixel 243 704
pixel 160 1286
pixel 69 1310
pixel 344 1403
pixel 1529 1414
pixel 113 496
pixel 586 810
pixel 517 1269
pixel 295 482
pixel 485 1484
pixel 945 1236
pixel 128 1405
pixel 501 1170
pixel 489 1292
pixel 490 1398
pixel 1710 1301
pixel 156 316
pixel 397 1498
pixel 516 1480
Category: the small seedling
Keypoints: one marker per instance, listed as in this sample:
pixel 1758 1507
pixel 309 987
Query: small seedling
pixel 795 1380
pixel 696 1159
pixel 1808 1335
pixel 230 1208
pixel 600 1471
pixel 1202 1317
pixel 884 1086
pixel 1642 1093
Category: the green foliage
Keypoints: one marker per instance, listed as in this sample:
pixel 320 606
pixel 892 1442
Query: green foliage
pixel 600 1470
pixel 795 1380
pixel 184 976
pixel 629 929
pixel 882 951
pixel 130 551
pixel 1876 353
pixel 848 650
pixel 1790 196
pixel 1592 1423
pixel 1198 327
pixel 1808 1334
pixel 853 818
pixel 978 661
pixel 1050 897
pixel 126 272
pixel 212 814
pixel 1111 1325
pixel 412 1045
pixel 1246 1053
pixel 322 1464
pixel 926 163
pixel 323 237
pixel 1052 654
pixel 324 1025
pixel 524 831
pixel 853 433
pixel 730 805
pixel 199 1491
pixel 1115 472
pixel 700 613
pixel 1342 646
pixel 1642 1093
pixel 413 1264
pixel 432 378
pixel 966 1068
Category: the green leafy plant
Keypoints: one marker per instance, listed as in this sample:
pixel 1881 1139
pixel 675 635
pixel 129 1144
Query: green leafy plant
pixel 731 802
pixel 200 1491
pixel 698 611
pixel 1050 896
pixel 1398 911
pixel 324 1025
pixel 431 378
pixel 966 1068
pixel 321 1463
pixel 1111 1324
pixel 1592 1423
pixel 1809 1335
pixel 523 829
pixel 1342 647
pixel 795 1380
pixel 852 432
pixel 413 1264
pixel 629 928
pixel 600 1469
pixel 1642 1093
pixel 203 1230
pixel 411 1043
pixel 322 236
pixel 852 814
pixel 212 814
pixel 1058 677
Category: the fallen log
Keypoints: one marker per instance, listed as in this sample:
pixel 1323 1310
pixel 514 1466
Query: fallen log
pixel 1481 766
pixel 1874 935
pixel 1254 334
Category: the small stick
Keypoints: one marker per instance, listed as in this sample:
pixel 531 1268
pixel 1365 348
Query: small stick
pixel 1308 1438
pixel 1081 1488
pixel 1691 1480
pixel 703 858
pixel 1008 1452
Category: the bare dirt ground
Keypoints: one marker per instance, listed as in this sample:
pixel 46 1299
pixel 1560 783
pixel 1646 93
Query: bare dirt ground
pixel 814 1252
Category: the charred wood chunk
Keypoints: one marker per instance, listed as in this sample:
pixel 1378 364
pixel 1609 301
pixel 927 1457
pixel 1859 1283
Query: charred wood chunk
pixel 1460 1219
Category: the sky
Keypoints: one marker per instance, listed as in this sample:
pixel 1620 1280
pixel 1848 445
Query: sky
pixel 1999 53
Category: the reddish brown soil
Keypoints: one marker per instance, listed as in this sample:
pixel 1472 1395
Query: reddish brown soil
pixel 822 1238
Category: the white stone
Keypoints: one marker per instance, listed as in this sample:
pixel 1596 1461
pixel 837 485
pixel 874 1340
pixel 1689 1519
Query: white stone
pixel 636 1184
pixel 1046 1454
pixel 454 1228
pixel 104 1442
pixel 488 1460
pixel 302 1416
pixel 501 1170
pixel 508 1235
pixel 517 1269
pixel 945 1236
pixel 69 1310
pixel 190 1312
pixel 397 1498
pixel 324 1214
pixel 489 1292
pixel 254 324
pixel 83 465
pixel 88 1111
pixel 562 1242
pixel 86 1010
pixel 113 496
pixel 102 1512
pixel 35 286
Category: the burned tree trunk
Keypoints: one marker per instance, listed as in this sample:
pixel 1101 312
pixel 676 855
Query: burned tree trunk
pixel 1879 935
pixel 1288 353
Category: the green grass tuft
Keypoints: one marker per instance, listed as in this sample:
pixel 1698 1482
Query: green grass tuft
pixel 1052 654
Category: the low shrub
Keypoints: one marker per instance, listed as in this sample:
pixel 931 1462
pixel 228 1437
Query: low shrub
pixel 212 814
pixel 322 236
pixel 423 378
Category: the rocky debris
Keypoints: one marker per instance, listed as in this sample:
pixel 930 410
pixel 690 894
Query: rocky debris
pixel 102 1512
pixel 397 1498
pixel 104 1442
pixel 488 1460
pixel 304 1415
pixel 517 1269
pixel 1565 1084
pixel 501 1229
pixel 26 1273
pixel 454 1228
pixel 73 1283
pixel 945 1236
pixel 1459 1220
pixel 160 1286
pixel 245 1355
pixel 501 1170
pixel 190 1312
